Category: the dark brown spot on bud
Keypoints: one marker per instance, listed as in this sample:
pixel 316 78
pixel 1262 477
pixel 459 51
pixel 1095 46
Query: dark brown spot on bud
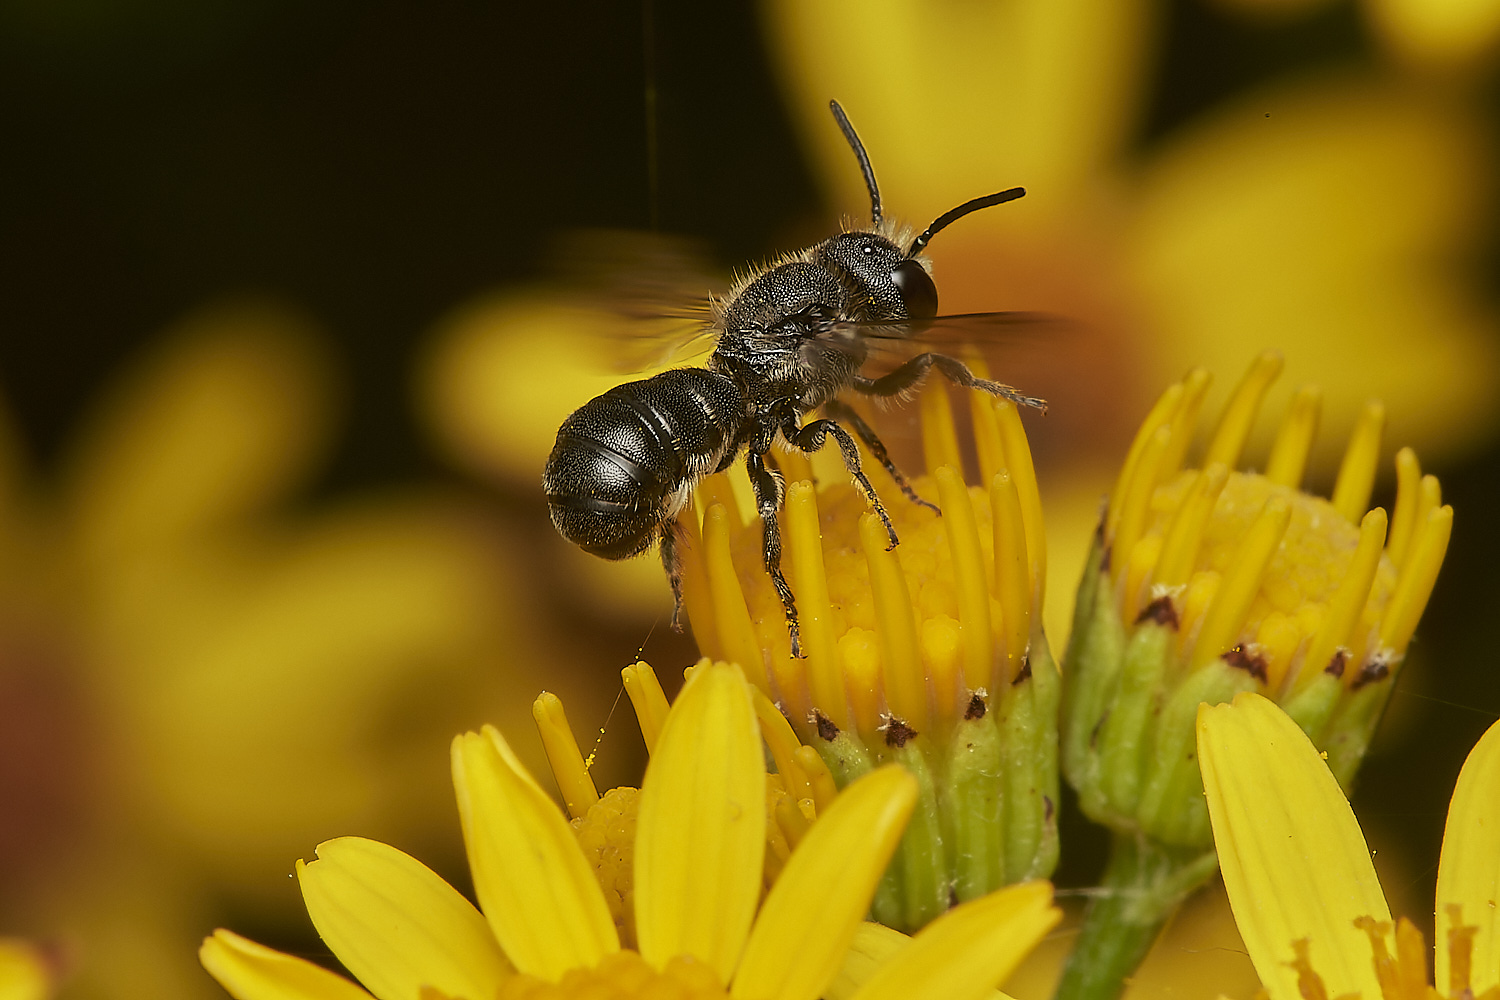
pixel 1094 733
pixel 1047 808
pixel 1252 663
pixel 1376 668
pixel 1104 559
pixel 897 733
pixel 976 708
pixel 1025 672
pixel 1161 611
pixel 1337 663
pixel 826 729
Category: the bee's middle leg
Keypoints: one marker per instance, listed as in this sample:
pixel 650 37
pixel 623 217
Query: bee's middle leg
pixel 768 487
pixel 847 413
pixel 671 561
pixel 910 375
pixel 810 438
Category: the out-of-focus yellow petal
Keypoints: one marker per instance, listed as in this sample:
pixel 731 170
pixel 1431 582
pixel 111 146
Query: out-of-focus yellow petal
pixel 25 972
pixel 1469 870
pixel 1436 32
pixel 821 897
pixel 1295 863
pixel 537 892
pixel 701 828
pixel 226 418
pixel 250 971
pixel 396 925
pixel 284 671
pixel 964 953
pixel 1293 214
pixel 1035 92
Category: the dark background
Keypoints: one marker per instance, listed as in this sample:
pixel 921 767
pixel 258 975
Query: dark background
pixel 377 163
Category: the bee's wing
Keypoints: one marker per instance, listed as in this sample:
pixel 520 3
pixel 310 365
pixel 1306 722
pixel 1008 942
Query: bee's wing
pixel 889 343
pixel 653 292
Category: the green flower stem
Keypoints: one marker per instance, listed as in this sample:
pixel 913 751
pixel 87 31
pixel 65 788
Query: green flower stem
pixel 1142 886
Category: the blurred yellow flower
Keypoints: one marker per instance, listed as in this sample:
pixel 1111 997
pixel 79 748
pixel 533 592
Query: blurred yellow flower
pixel 195 677
pixel 702 929
pixel 1326 215
pixel 1300 879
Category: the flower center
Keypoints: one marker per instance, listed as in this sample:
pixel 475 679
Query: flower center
pixel 623 975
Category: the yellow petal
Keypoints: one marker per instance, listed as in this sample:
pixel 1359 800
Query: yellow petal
pixel 537 892
pixel 250 971
pixel 821 897
pixel 396 925
pixel 700 834
pixel 964 953
pixel 1469 870
pixel 1294 860
pixel 224 420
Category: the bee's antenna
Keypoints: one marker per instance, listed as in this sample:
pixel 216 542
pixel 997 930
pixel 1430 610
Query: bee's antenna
pixel 954 214
pixel 864 160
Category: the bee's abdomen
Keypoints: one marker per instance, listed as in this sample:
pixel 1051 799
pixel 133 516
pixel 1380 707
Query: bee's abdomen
pixel 624 458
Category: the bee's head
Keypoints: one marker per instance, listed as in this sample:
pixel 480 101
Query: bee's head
pixel 895 284
pixel 903 276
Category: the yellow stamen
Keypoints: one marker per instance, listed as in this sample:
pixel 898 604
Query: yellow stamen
pixel 824 790
pixel 1429 499
pixel 718 490
pixel 1277 639
pixel 1348 602
pixel 793 823
pixel 1351 492
pixel 968 577
pixel 783 743
pixel 1160 416
pixel 859 658
pixel 900 657
pixel 1460 951
pixel 795 466
pixel 939 436
pixel 1202 587
pixel 1239 415
pixel 1288 461
pixel 804 544
pixel 1408 499
pixel 1011 577
pixel 738 643
pixel 697 601
pixel 1023 473
pixel 1411 961
pixel 1185 420
pixel 1226 615
pixel 1184 537
pixel 1135 502
pixel 1137 569
pixel 1415 584
pixel 987 440
pixel 568 768
pixel 647 698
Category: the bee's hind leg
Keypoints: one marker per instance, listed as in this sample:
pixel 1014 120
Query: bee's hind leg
pixel 909 375
pixel 768 488
pixel 671 561
pixel 847 413
pixel 810 438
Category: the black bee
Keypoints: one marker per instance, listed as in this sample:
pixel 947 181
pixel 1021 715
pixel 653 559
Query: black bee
pixel 791 338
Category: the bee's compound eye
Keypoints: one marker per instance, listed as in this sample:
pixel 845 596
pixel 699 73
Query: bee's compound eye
pixel 917 290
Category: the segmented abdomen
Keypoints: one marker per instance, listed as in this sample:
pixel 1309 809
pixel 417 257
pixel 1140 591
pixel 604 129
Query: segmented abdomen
pixel 623 460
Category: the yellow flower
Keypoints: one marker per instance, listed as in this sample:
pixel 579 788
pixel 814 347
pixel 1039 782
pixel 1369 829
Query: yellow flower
pixel 1300 880
pixel 167 618
pixel 1204 583
pixel 931 653
pixel 546 928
